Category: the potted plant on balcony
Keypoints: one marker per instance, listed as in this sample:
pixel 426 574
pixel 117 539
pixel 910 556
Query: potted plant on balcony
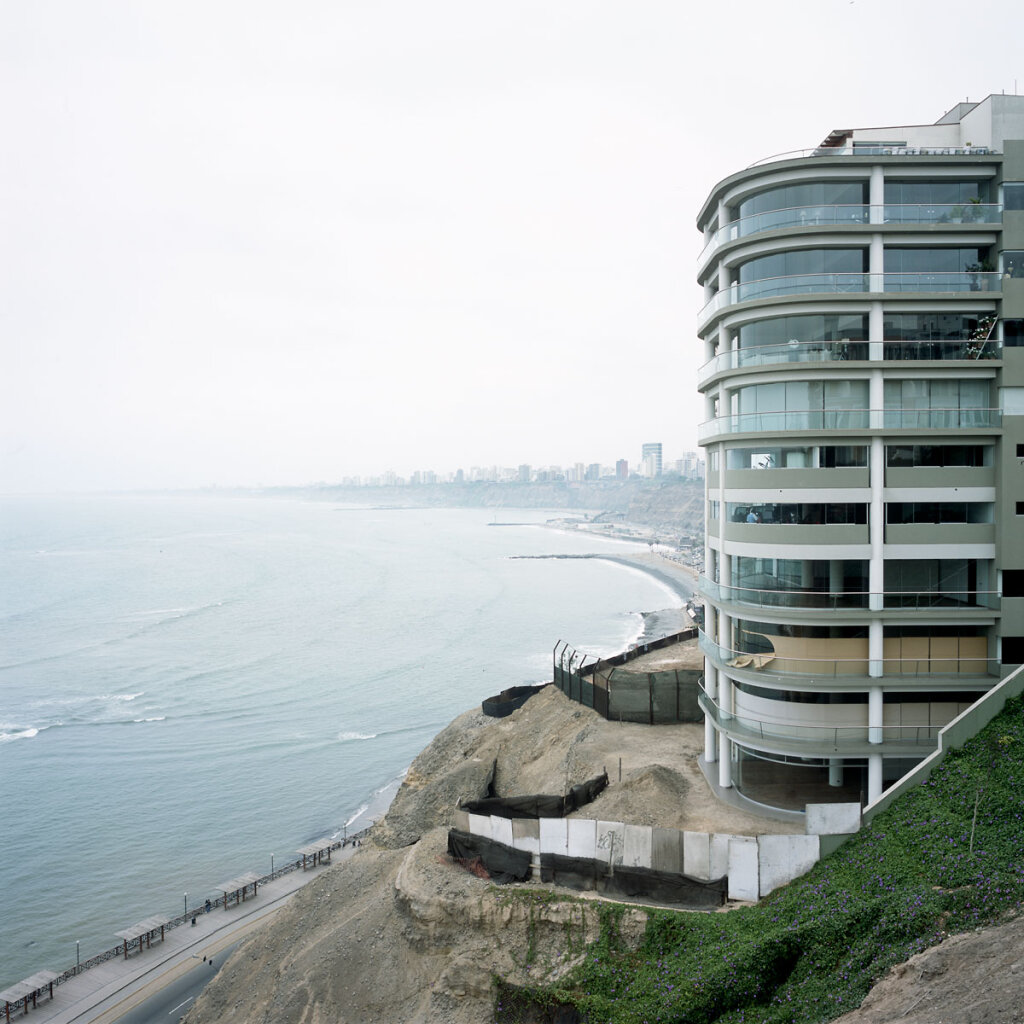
pixel 973 212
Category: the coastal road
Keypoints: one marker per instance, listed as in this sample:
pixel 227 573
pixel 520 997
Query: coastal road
pixel 160 983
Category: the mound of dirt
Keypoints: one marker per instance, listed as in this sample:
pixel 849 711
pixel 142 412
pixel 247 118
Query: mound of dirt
pixel 974 978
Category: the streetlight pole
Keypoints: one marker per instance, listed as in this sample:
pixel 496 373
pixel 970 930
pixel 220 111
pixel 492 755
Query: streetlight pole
pixel 271 865
pixel 186 904
pixel 78 955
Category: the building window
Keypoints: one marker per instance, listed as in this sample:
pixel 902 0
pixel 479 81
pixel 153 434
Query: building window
pixel 930 326
pixel 1020 508
pixel 1013 583
pixel 807 194
pixel 912 456
pixel 802 329
pixel 914 193
pixel 1013 650
pixel 907 512
pixel 1013 195
pixel 1013 333
pixel 1013 263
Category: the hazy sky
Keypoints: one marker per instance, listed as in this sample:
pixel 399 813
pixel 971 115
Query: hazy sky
pixel 246 241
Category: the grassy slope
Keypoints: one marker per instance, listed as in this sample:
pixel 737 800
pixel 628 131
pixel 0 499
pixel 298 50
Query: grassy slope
pixel 943 859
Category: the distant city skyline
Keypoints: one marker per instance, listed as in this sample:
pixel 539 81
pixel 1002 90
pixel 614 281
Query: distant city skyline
pixel 689 465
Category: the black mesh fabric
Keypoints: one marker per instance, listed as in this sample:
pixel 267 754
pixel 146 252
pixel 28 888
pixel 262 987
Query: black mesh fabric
pixel 539 805
pixel 660 886
pixel 502 863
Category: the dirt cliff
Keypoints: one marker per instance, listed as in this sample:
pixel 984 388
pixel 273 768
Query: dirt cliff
pixel 399 934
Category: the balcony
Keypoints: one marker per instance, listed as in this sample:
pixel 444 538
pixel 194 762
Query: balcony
pixel 846 662
pixel 960 282
pixel 967 350
pixel 837 215
pixel 839 420
pixel 768 734
pixel 806 599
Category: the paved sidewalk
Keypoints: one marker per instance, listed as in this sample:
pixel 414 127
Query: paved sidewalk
pixel 103 993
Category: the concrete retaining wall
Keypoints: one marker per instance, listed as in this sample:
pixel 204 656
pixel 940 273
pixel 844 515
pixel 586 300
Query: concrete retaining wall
pixel 755 865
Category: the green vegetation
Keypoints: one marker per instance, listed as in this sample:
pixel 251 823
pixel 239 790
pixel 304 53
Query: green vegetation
pixel 945 858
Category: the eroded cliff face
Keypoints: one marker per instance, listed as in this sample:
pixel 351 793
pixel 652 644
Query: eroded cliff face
pixel 398 934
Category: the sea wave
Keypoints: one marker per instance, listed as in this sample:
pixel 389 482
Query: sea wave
pixel 346 736
pixel 18 734
pixel 158 718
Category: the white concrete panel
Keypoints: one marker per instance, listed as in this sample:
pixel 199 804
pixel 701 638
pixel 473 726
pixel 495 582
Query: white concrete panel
pixel 526 834
pixel 832 819
pixel 783 858
pixel 743 868
pixel 719 849
pixel 501 830
pixel 480 824
pixel 697 855
pixel 582 834
pixel 554 836
pixel 637 847
pixel 610 841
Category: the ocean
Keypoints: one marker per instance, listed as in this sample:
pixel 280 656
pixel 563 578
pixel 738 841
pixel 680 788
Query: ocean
pixel 190 686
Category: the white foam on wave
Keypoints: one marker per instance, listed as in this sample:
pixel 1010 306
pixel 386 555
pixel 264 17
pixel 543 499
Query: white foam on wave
pixel 21 734
pixel 120 696
pixel 158 718
pixel 344 737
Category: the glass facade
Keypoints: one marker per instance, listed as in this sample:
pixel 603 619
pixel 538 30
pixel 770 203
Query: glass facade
pixel 801 329
pixel 804 194
pixel 800 262
pixel 917 192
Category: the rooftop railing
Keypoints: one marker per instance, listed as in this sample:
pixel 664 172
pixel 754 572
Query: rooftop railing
pixel 904 151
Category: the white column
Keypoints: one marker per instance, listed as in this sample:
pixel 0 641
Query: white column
pixel 711 688
pixel 876 649
pixel 876 195
pixel 876 264
pixel 876 519
pixel 874 777
pixel 835 772
pixel 876 332
pixel 725 744
pixel 875 714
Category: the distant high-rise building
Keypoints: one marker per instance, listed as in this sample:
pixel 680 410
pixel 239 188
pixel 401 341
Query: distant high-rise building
pixel 524 473
pixel 622 469
pixel 650 460
pixel 594 471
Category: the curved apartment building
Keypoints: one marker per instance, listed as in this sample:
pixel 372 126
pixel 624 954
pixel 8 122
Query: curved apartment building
pixel 863 382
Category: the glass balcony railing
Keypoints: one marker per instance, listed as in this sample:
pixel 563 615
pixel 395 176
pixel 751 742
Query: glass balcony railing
pixel 848 419
pixel 838 214
pixel 769 662
pixel 837 738
pixel 783 596
pixel 942 213
pixel 965 349
pixel 955 282
pixel 903 151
